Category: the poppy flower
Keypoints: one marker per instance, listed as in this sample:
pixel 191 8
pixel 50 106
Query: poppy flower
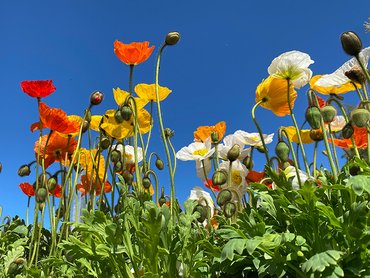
pixel 274 93
pixel 305 135
pixel 147 91
pixel 27 189
pixel 254 176
pixel 120 97
pixel 360 136
pixel 87 186
pixel 209 184
pixel 292 65
pixel 339 78
pixel 133 53
pixel 196 151
pixel 57 120
pixel 38 88
pixel 238 173
pixel 344 88
pixel 253 139
pixel 228 142
pixel 203 132
pixel 56 149
pixel 57 192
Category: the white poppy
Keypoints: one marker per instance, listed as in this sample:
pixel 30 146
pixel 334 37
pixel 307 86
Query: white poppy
pixel 204 199
pixel 238 176
pixel 228 142
pixel 290 171
pixel 254 139
pixel 196 151
pixel 338 123
pixel 129 153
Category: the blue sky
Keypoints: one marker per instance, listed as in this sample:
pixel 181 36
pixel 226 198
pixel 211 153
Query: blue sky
pixel 223 55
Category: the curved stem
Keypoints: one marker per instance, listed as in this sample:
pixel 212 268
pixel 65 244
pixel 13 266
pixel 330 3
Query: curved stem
pixel 260 130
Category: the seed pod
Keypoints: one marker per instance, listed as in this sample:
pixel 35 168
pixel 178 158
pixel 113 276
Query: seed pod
pixel 159 164
pixel 223 197
pixel 104 143
pixel 219 177
pixel 360 117
pixel 316 135
pixel 328 113
pixel 347 131
pixel 115 156
pixel 313 117
pixel 351 43
pixel 282 151
pixel 146 183
pixel 41 195
pixel 126 112
pixel 172 38
pixel 24 170
pixel 233 153
pixel 229 209
pixel 96 98
pixel 118 117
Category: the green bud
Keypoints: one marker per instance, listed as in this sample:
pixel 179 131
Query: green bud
pixel 316 135
pixel 313 117
pixel 85 126
pixel 115 156
pixel 13 268
pixel 52 183
pixel 219 177
pixel 282 151
pixel 104 143
pixel 126 112
pixel 118 117
pixel 351 43
pixel 146 183
pixel 328 113
pixel 88 115
pixel 24 170
pixel 214 137
pixel 360 117
pixel 233 153
pixel 162 201
pixel 172 38
pixel 202 211
pixel 223 197
pixel 248 162
pixel 118 166
pixel 347 131
pixel 159 164
pixel 128 177
pixel 41 195
pixel 229 209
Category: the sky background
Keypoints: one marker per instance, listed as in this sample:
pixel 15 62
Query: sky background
pixel 224 52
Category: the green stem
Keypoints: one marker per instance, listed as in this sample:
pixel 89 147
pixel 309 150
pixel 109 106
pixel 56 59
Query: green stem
pixel 334 148
pixel 206 178
pixel 260 130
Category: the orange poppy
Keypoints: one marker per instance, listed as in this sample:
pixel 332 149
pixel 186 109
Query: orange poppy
pixel 360 136
pixel 203 132
pixel 210 185
pixel 56 149
pixel 254 176
pixel 27 189
pixel 133 53
pixel 38 88
pixel 332 90
pixel 57 120
pixel 86 186
pixel 273 91
pixel 57 192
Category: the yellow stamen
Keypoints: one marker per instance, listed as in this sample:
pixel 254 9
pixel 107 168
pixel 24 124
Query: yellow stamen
pixel 201 152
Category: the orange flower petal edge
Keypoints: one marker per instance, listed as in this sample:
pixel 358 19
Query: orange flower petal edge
pixel 133 53
pixel 203 132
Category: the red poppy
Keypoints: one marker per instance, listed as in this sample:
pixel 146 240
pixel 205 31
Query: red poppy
pixel 360 136
pixel 321 101
pixel 56 119
pixel 27 189
pixel 210 185
pixel 38 88
pixel 133 53
pixel 57 192
pixel 86 186
pixel 254 176
pixel 57 148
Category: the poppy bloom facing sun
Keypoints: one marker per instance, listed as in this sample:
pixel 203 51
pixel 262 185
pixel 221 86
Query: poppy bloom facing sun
pixel 86 186
pixel 342 89
pixel 27 189
pixel 274 93
pixel 147 91
pixel 38 88
pixel 133 53
pixel 203 132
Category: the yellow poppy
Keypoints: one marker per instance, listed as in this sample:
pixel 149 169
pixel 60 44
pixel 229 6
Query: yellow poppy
pixel 292 134
pixel 345 88
pixel 274 93
pixel 147 91
pixel 120 97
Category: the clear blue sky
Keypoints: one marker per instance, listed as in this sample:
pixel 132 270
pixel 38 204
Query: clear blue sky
pixel 224 52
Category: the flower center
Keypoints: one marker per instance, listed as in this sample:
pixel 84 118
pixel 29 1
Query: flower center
pixel 201 152
pixel 236 178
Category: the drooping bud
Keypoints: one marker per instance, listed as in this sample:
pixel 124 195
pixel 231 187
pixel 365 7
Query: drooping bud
pixel 85 126
pixel 146 182
pixel 316 135
pixel 172 38
pixel 248 162
pixel 351 43
pixel 223 197
pixel 12 268
pixel 328 113
pixel 159 164
pixel 202 211
pixel 115 156
pixel 118 116
pixel 313 117
pixel 52 183
pixel 104 143
pixel 360 117
pixel 126 112
pixel 233 153
pixel 96 98
pixel 347 131
pixel 229 209
pixel 282 151
pixel 354 170
pixel 127 176
pixel 219 177
pixel 41 195
pixel 356 75
pixel 43 180
pixel 24 170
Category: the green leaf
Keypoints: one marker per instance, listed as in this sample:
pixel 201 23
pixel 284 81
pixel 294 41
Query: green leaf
pixel 359 184
pixel 319 262
pixel 237 244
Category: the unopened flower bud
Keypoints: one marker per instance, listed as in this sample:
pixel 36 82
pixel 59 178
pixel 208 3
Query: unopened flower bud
pixel 261 149
pixel 41 195
pixel 12 268
pixel 128 177
pixel 104 143
pixel 118 166
pixel 313 117
pixel 356 75
pixel 282 151
pixel 96 98
pixel 146 183
pixel 85 126
pixel 118 117
pixel 328 113
pixel 347 131
pixel 316 135
pixel 172 38
pixel 115 156
pixel 219 177
pixel 52 183
pixel 20 261
pixel 88 115
pixel 126 112
pixel 202 211
pixel 223 197
pixel 360 117
pixel 24 170
pixel 229 209
pixel 351 43
pixel 159 164
pixel 233 153
pixel 43 180
pixel 248 162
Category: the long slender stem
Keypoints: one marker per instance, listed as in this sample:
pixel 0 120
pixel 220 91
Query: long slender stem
pixel 294 157
pixel 260 130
